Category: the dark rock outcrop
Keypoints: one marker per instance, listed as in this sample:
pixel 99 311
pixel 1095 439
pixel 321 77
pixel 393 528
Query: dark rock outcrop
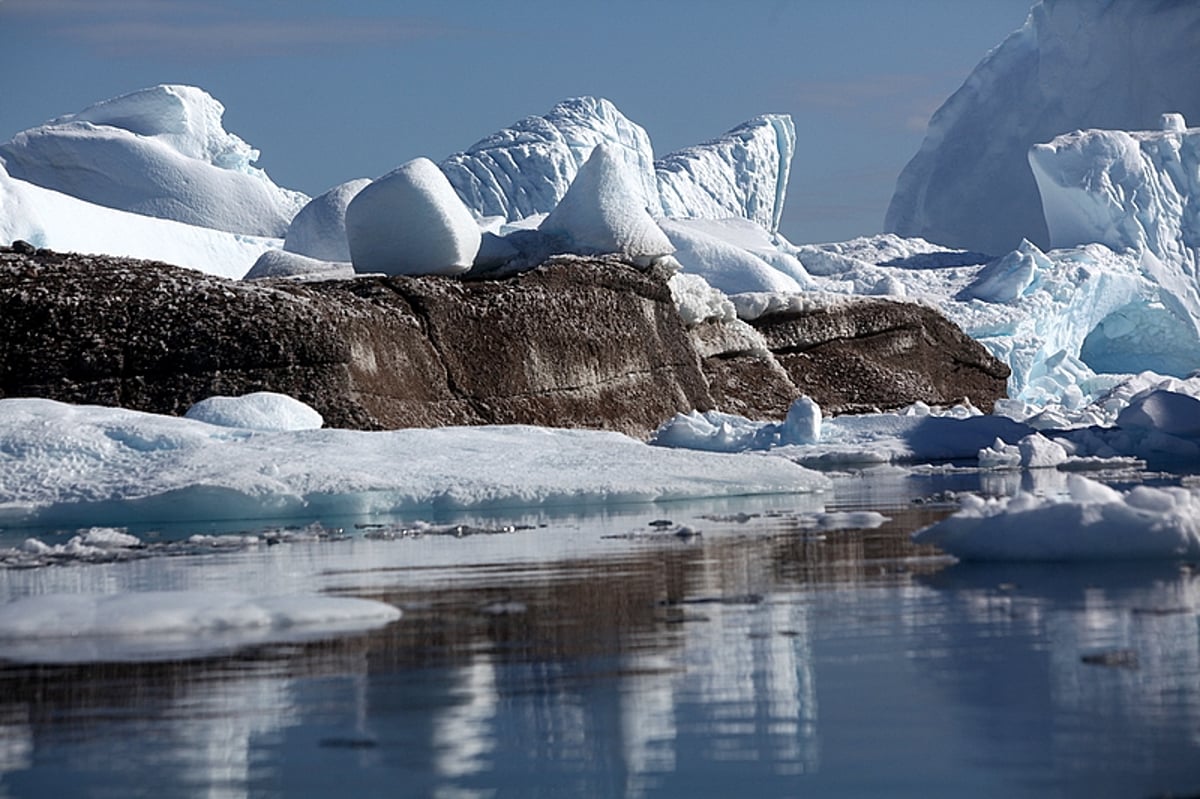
pixel 576 342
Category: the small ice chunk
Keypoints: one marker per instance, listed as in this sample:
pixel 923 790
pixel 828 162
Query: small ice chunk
pixel 262 410
pixel 1174 123
pixel 803 422
pixel 1039 452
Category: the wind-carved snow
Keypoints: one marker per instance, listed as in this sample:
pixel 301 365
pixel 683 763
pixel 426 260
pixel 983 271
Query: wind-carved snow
pixel 1135 191
pixel 161 152
pixel 1075 64
pixel 743 173
pixel 526 169
pixel 410 222
pixel 600 213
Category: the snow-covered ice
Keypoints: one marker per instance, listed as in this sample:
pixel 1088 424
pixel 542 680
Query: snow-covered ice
pixel 64 464
pixel 160 151
pixel 724 265
pixel 410 222
pixel 604 212
pixel 155 625
pixel 281 263
pixel 319 229
pixel 261 410
pixel 1090 522
pixel 57 221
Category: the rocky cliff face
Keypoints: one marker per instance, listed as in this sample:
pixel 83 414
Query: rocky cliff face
pixel 576 342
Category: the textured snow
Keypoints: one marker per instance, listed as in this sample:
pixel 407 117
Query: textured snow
pixel 698 302
pixel 1090 522
pixel 319 229
pixel 526 169
pixel 64 464
pixel 60 222
pixel 410 222
pixel 743 173
pixel 1075 64
pixel 604 212
pixel 152 625
pixel 262 410
pixel 161 152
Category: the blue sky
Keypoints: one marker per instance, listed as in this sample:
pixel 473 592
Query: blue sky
pixel 333 91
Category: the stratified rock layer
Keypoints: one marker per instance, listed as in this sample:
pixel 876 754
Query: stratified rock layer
pixel 576 342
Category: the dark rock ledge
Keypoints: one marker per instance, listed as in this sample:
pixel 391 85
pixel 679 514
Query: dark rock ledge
pixel 573 343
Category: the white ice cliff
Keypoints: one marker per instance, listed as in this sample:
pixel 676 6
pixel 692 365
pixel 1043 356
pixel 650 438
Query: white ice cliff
pixel 1075 64
pixel 160 152
pixel 743 173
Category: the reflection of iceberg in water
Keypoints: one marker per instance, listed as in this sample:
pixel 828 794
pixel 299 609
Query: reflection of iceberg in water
pixel 463 735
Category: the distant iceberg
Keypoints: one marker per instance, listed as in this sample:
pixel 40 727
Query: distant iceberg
pixel 1075 64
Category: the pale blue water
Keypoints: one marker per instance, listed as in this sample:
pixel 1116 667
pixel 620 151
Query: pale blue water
pixel 600 656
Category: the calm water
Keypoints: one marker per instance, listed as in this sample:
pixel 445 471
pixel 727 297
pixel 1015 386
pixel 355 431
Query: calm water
pixel 599 655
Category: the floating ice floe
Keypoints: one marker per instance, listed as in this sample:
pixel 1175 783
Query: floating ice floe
pixel 1090 522
pixel 157 625
pixel 83 465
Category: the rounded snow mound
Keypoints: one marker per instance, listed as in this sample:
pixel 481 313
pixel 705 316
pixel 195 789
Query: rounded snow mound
pixel 262 410
pixel 160 152
pixel 411 222
pixel 319 230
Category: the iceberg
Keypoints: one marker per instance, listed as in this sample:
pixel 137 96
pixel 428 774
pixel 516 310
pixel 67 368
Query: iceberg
pixel 1136 191
pixel 527 168
pixel 160 152
pixel 410 222
pixel 1074 64
pixel 743 173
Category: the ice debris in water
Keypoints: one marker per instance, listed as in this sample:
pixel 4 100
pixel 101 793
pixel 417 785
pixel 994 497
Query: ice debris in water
pixel 1090 522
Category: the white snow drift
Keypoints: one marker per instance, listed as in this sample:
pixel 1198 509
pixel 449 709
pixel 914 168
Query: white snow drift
pixel 319 229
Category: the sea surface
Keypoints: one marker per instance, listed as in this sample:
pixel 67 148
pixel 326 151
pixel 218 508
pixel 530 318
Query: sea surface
pixel 763 647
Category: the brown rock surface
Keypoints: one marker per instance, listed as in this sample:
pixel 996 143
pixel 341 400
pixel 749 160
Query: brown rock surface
pixel 574 343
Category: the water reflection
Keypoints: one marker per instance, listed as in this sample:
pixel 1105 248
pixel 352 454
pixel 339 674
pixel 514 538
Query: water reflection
pixel 761 656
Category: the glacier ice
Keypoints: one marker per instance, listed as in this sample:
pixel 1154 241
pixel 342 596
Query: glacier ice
pixel 410 222
pixel 526 169
pixel 1075 64
pixel 319 229
pixel 160 152
pixel 1129 190
pixel 743 173
pixel 603 212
